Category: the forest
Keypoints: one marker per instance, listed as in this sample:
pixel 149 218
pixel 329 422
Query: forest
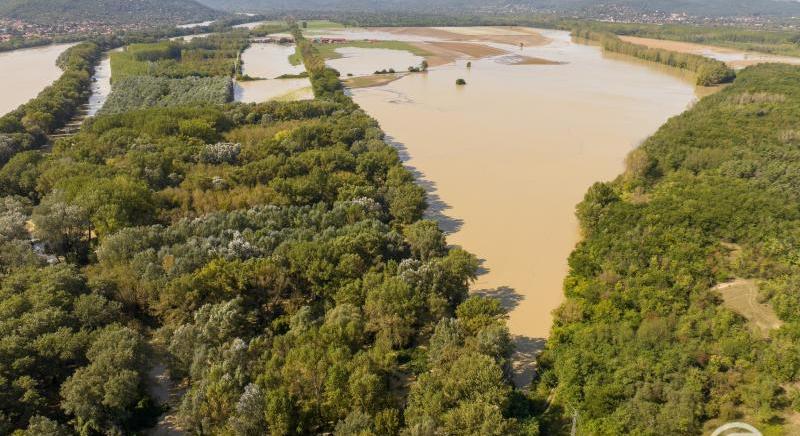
pixel 643 344
pixel 138 92
pixel 271 255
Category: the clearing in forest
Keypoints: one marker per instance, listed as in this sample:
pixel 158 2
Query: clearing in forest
pixel 741 296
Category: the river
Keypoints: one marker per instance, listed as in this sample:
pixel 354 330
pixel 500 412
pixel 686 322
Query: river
pixel 507 157
pixel 26 72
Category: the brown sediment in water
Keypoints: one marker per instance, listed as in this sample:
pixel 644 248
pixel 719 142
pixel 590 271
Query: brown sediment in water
pixel 500 35
pixel 748 57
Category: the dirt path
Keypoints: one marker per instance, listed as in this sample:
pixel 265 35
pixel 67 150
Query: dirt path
pixel 164 391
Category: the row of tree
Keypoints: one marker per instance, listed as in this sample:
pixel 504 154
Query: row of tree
pixel 709 72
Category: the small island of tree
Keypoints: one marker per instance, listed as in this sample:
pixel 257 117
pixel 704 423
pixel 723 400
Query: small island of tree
pixel 461 82
pixel 469 64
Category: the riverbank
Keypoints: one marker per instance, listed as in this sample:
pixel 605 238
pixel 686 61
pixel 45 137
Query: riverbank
pixel 507 157
pixel 734 58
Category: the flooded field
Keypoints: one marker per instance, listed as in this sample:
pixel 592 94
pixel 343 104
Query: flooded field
pixel 366 61
pixel 24 73
pixel 508 156
pixel 268 61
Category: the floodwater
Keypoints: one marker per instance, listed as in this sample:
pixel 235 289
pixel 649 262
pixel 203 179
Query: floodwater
pixel 268 61
pixel 507 157
pixel 366 61
pixel 26 72
pixel 101 85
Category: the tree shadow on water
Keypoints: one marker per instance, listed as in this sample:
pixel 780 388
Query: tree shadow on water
pixel 524 359
pixel 436 206
pixel 526 349
pixel 508 297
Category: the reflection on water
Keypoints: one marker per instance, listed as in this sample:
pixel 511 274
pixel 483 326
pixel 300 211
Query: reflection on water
pixel 366 61
pixel 268 61
pixel 512 153
pixel 24 73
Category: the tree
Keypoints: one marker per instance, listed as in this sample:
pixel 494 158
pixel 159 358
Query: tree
pixel 104 395
pixel 461 82
pixel 425 239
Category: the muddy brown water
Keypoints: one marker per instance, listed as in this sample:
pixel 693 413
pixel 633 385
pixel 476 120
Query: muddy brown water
pixel 26 72
pixel 507 157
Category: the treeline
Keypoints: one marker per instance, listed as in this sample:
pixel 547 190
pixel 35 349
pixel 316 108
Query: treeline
pixel 139 92
pixel 709 71
pixel 782 42
pixel 28 126
pixel 643 344
pixel 324 80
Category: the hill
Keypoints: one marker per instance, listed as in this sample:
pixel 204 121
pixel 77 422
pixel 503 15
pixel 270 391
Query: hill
pixel 106 11
pixel 691 7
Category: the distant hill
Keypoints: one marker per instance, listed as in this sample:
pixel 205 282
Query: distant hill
pixel 692 7
pixel 106 11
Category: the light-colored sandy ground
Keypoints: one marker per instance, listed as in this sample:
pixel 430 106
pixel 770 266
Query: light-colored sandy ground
pixel 734 58
pixel 500 35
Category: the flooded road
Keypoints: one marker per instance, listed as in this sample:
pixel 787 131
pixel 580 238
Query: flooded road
pixel 269 61
pixel 507 157
pixel 26 72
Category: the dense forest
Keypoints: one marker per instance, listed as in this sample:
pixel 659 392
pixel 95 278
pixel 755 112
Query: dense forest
pixel 138 92
pixel 643 344
pixel 48 12
pixel 272 256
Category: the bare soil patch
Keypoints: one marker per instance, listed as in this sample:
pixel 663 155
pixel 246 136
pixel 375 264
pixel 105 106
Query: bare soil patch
pixel 741 296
